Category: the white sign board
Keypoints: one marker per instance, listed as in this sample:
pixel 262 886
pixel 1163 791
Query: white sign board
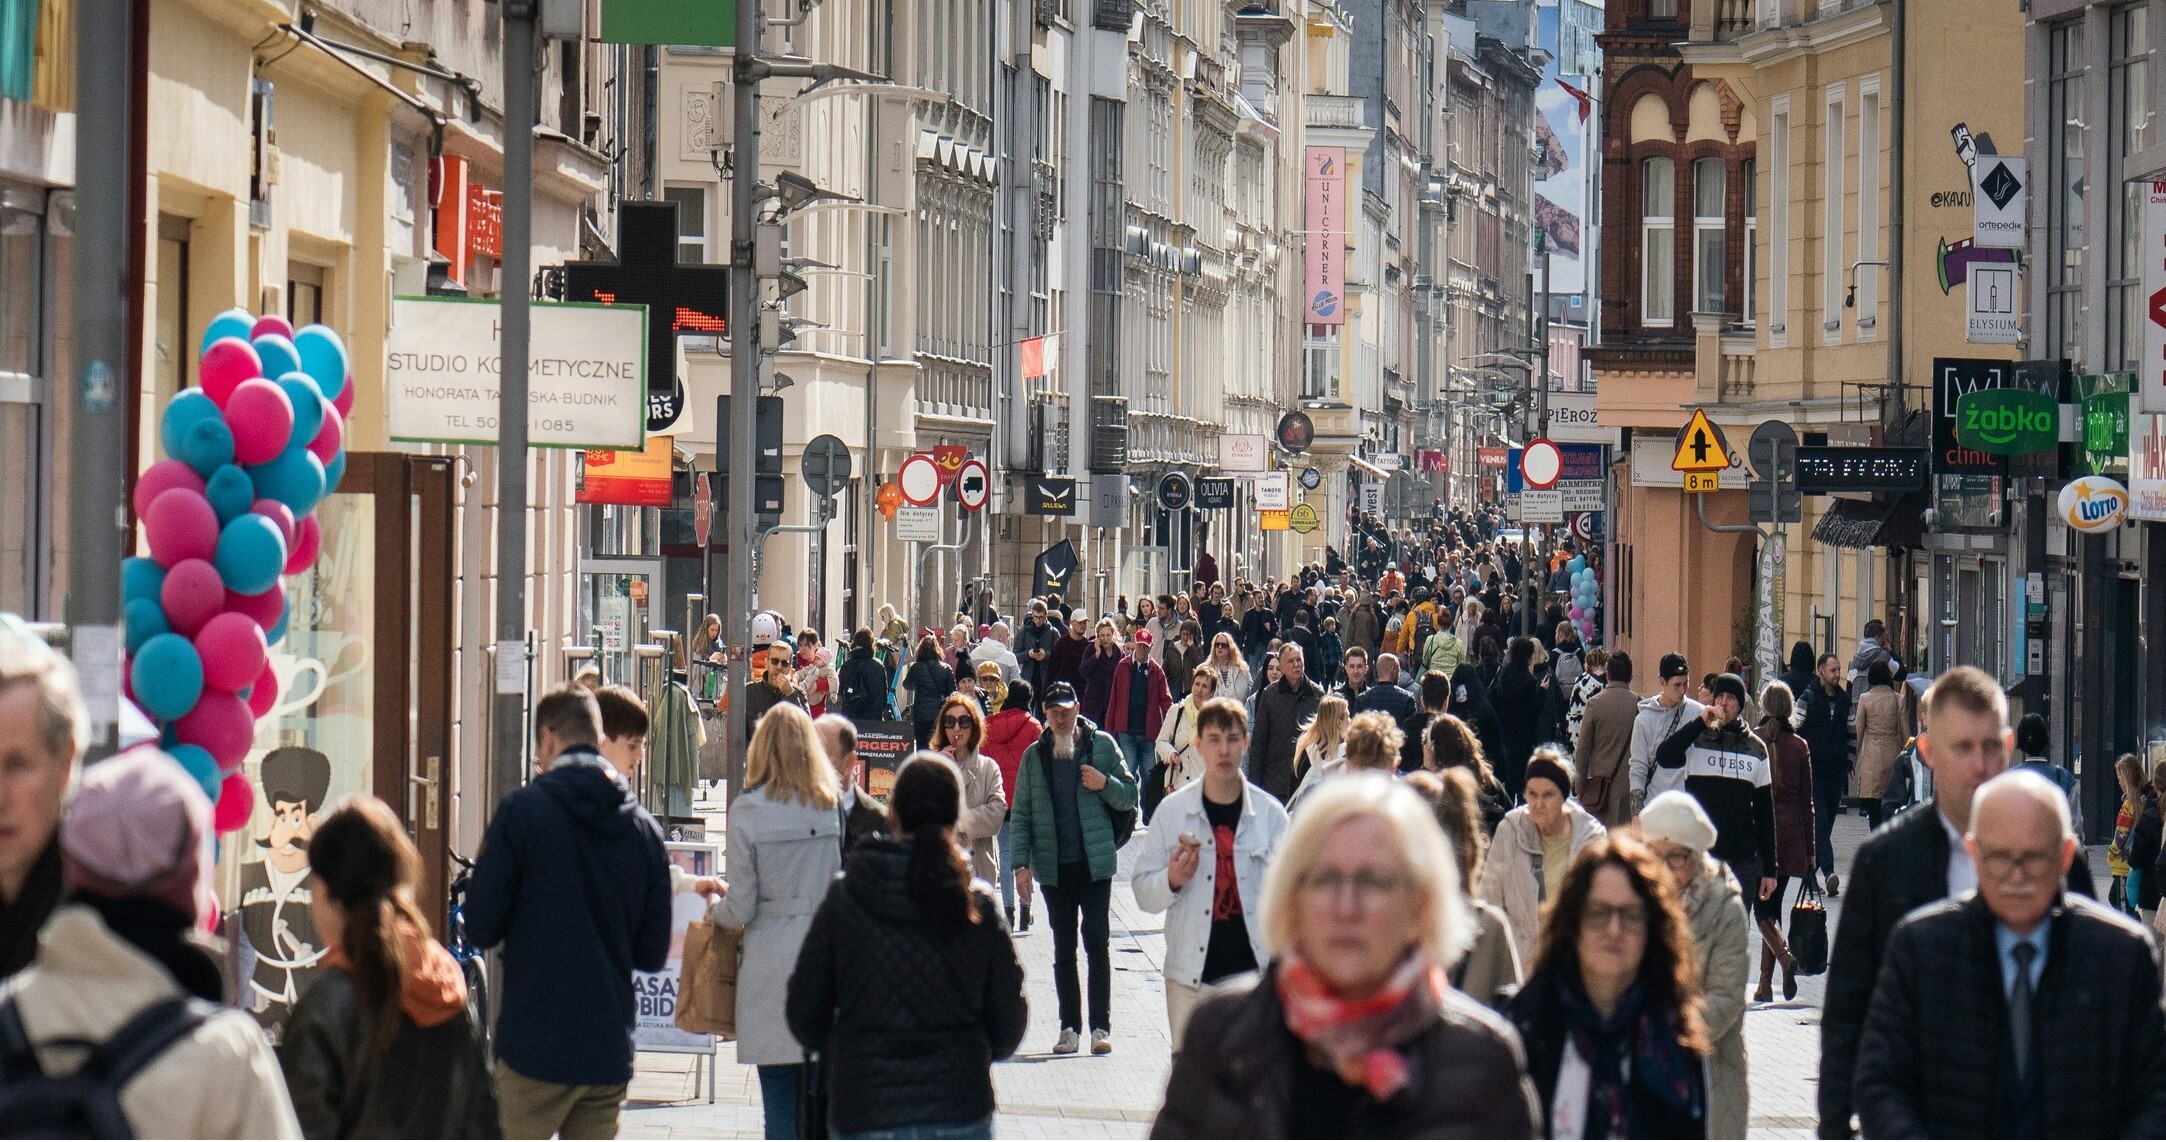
pixel 1372 497
pixel 1582 495
pixel 1571 420
pixel 1768 644
pixel 921 524
pixel 1651 456
pixel 1999 187
pixel 1272 492
pixel 2146 467
pixel 657 1028
pixel 1989 307
pixel 1541 505
pixel 2151 374
pixel 587 373
pixel 1242 452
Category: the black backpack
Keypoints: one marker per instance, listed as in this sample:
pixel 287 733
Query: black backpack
pixel 84 1103
pixel 1424 626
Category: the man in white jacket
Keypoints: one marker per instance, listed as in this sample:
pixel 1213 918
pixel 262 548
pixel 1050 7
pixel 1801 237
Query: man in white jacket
pixel 1658 718
pixel 1202 864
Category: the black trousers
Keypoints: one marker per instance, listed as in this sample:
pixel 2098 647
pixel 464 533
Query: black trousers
pixel 1079 898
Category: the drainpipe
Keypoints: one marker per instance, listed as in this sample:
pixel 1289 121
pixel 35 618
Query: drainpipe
pixel 1898 77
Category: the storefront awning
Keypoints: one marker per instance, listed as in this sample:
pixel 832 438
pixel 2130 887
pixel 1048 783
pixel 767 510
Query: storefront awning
pixel 1899 522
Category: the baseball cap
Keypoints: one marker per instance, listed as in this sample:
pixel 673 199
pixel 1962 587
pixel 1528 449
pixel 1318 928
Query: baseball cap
pixel 1674 666
pixel 1060 694
pixel 1143 638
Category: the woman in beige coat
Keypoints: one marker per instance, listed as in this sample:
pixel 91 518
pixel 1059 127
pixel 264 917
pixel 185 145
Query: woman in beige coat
pixel 1883 727
pixel 1534 845
pixel 960 731
pixel 1680 833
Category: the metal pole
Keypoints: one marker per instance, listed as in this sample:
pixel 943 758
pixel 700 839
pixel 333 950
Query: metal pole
pixel 744 333
pixel 98 436
pixel 508 768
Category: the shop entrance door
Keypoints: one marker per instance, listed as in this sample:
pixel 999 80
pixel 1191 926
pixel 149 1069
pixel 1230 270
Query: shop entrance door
pixel 618 598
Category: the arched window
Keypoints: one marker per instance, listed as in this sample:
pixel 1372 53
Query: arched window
pixel 1658 242
pixel 1708 185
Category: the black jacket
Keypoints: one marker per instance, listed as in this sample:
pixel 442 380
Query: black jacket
pixel 1538 1012
pixel 911 1017
pixel 1470 703
pixel 573 882
pixel 2098 1053
pixel 864 688
pixel 1236 1075
pixel 1517 696
pixel 1281 710
pixel 1899 869
pixel 929 682
pixel 1827 732
pixel 2143 852
pixel 1727 771
pixel 430 1083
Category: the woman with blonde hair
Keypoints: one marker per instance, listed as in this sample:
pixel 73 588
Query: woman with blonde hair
pixel 785 845
pixel 1323 740
pixel 1235 681
pixel 1371 742
pixel 1353 1030
pixel 959 734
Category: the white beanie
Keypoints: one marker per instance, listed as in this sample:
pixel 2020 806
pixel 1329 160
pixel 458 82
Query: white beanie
pixel 1676 817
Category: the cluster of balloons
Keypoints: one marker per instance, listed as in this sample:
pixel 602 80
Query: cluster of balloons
pixel 1586 597
pixel 228 512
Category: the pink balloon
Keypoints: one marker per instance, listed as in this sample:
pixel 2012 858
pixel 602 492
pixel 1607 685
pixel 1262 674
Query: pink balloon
pixel 307 542
pixel 127 683
pixel 261 417
pixel 227 363
pixel 222 724
pixel 231 647
pixel 164 476
pixel 331 438
pixel 279 514
pixel 343 402
pixel 272 323
pixel 236 803
pixel 264 694
pixel 192 595
pixel 264 609
pixel 181 525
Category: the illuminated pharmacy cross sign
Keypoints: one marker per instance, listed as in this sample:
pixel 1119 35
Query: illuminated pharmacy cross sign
pixel 679 298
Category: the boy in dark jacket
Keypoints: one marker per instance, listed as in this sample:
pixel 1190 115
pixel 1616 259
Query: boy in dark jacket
pixel 1726 769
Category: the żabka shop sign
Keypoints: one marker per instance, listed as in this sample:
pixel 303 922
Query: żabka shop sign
pixel 2007 422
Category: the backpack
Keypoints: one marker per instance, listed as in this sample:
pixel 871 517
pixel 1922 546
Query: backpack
pixel 86 1102
pixel 1424 626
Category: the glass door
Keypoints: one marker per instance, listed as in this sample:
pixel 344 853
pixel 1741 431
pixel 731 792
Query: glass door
pixel 617 608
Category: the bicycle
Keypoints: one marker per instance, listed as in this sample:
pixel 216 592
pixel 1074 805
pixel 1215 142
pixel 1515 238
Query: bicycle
pixel 473 963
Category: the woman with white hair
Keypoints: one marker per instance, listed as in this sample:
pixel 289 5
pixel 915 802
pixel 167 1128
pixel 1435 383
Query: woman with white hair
pixel 1680 832
pixel 1353 1029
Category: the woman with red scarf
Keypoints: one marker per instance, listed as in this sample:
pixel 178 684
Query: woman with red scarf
pixel 1352 1030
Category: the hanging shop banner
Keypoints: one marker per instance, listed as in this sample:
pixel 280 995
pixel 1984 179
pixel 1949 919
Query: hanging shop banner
pixel 1272 491
pixel 2147 467
pixel 634 478
pixel 1492 457
pixel 1243 451
pixel 1324 220
pixel 2093 503
pixel 2105 422
pixel 2151 376
pixel 586 373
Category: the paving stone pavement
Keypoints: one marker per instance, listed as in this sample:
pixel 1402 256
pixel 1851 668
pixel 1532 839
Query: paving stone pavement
pixel 1042 1095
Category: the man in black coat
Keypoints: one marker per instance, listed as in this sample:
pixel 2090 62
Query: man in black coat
pixel 2016 1011
pixel 1282 708
pixel 1915 860
pixel 1826 704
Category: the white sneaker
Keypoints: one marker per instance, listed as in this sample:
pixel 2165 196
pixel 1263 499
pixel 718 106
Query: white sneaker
pixel 1101 1042
pixel 1067 1043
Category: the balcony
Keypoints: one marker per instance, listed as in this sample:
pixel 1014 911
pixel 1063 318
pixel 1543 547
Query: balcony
pixel 1724 20
pixel 1343 112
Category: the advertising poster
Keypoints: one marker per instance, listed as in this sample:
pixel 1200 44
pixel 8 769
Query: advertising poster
pixel 881 748
pixel 1563 119
pixel 657 1028
pixel 1324 220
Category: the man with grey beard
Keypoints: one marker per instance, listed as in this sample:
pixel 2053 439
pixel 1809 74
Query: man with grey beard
pixel 1069 787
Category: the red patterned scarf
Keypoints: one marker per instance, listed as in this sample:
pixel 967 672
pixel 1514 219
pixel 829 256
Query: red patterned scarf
pixel 1358 1039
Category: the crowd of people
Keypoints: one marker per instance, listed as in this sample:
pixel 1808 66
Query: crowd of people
pixel 1426 869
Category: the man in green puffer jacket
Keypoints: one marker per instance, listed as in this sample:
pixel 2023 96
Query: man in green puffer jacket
pixel 1069 788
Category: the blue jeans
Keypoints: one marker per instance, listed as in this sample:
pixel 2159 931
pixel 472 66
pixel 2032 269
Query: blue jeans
pixel 1007 871
pixel 1140 752
pixel 982 1128
pixel 778 1098
pixel 1827 803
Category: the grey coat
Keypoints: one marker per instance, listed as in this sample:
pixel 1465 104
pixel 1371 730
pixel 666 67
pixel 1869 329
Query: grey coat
pixel 781 857
pixel 1720 933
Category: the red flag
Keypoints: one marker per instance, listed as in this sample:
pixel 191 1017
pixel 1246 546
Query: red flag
pixel 1034 356
pixel 1586 101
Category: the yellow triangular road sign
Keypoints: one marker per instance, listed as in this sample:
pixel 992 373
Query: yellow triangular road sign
pixel 1700 446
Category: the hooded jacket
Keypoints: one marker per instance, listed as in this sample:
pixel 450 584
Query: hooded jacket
pixel 1007 734
pixel 1654 723
pixel 863 692
pixel 1512 872
pixel 1726 768
pixel 574 883
pixel 910 1016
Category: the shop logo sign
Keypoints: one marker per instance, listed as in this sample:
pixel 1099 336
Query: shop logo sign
pixel 2007 422
pixel 2094 503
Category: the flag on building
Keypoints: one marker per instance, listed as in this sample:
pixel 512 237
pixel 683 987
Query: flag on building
pixel 1037 351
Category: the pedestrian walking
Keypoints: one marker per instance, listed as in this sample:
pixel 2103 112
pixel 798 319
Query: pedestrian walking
pixel 1470 703
pixel 1099 667
pixel 1068 790
pixel 1322 743
pixel 383 1044
pixel 1235 681
pixel 1065 664
pixel 1136 707
pixel 1661 715
pixel 1799 675
pixel 785 843
pixel 1352 1029
pixel 1283 710
pixel 1008 733
pixel 1035 642
pixel 573 883
pixel 929 681
pixel 1202 864
pixel 1824 723
pixel 1518 694
pixel 2053 998
pixel 1610 1014
pixel 907 982
pixel 1584 689
pixel 42 736
pixel 993 648
pixel 1450 744
pixel 864 818
pixel 1179 759
pixel 1680 833
pixel 1883 727
pixel 817 679
pixel 1602 749
pixel 985 805
pixel 1916 859
pixel 1790 766
pixel 1535 847
pixel 1372 744
pixel 1490 972
pixel 2145 883
pixel 1726 768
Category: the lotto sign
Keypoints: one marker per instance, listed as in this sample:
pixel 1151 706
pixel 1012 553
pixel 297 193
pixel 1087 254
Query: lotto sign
pixel 2093 503
pixel 2151 379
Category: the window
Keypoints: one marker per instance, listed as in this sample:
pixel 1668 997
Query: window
pixel 1661 9
pixel 1658 243
pixel 1710 182
pixel 1831 232
pixel 2066 182
pixel 691 222
pixel 1778 205
pixel 2131 116
pixel 304 293
pixel 1320 379
pixel 1752 242
pixel 1868 278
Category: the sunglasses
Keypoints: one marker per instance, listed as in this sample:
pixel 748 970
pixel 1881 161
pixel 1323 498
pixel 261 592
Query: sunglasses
pixel 954 722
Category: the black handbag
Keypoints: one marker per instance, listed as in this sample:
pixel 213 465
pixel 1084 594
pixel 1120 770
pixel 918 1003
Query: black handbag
pixel 1809 931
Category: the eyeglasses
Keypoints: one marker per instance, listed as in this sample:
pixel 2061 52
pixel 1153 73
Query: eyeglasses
pixel 955 722
pixel 1632 918
pixel 1679 860
pixel 2035 865
pixel 1370 886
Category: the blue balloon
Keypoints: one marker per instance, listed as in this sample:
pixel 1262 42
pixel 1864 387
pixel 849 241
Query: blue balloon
pixel 232 323
pixel 294 479
pixel 308 403
pixel 251 554
pixel 1577 563
pixel 277 354
pixel 230 492
pixel 141 577
pixel 323 356
pixel 168 737
pixel 181 414
pixel 168 677
pixel 200 765
pixel 208 446
pixel 334 472
pixel 277 633
pixel 143 620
